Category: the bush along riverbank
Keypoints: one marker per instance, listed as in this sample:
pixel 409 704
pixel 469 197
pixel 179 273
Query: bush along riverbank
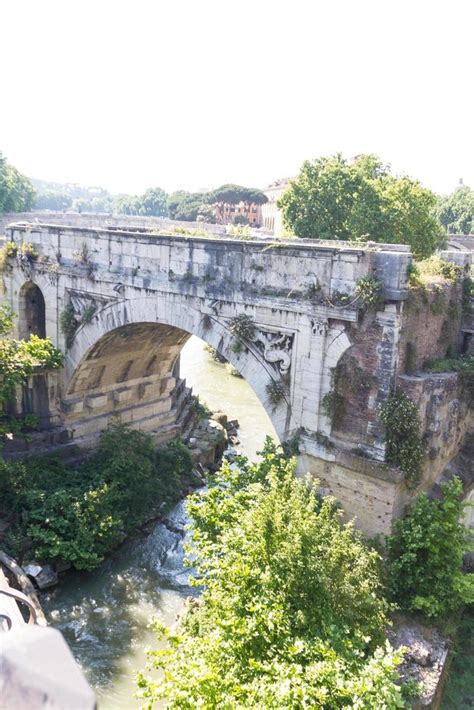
pixel 72 517
pixel 296 606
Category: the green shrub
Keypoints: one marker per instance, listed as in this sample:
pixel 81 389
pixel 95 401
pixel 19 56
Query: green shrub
pixel 425 555
pixel 403 435
pixel 368 291
pixel 29 251
pixel 68 323
pixel 77 516
pixel 464 364
pixel 291 615
pixel 435 266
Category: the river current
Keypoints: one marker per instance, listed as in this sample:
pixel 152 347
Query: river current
pixel 104 614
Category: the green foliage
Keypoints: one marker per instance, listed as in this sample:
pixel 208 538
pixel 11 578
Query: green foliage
pixel 425 555
pixel 8 251
pixel 403 435
pixel 29 251
pixel 275 392
pixel 368 291
pixel 456 211
pixel 16 191
pixel 154 202
pixel 243 326
pixel 291 613
pixel 233 194
pixel 18 358
pixel 6 319
pixel 333 406
pixel 460 683
pixel 240 219
pixel 432 268
pixel 88 314
pixel 464 364
pixel 68 323
pixel 50 200
pixel 333 198
pixel 77 516
pixel 237 231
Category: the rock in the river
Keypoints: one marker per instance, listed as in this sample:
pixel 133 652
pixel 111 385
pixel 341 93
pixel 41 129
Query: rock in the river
pixel 220 417
pixel 44 576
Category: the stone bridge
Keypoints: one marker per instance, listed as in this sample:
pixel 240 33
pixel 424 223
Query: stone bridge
pixel 121 305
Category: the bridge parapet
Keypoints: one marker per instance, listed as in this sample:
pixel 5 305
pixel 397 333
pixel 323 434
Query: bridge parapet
pixel 292 269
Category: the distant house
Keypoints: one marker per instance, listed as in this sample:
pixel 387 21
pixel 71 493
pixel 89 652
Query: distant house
pixel 272 218
pixel 226 212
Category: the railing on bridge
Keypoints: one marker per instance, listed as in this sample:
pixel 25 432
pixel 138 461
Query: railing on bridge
pixel 37 669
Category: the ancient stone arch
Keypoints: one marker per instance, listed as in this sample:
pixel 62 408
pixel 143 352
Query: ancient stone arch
pixel 132 346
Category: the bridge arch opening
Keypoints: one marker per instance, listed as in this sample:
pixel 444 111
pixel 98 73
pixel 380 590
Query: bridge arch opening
pixel 133 372
pixel 32 311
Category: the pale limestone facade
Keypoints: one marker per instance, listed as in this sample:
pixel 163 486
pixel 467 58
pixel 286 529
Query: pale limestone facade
pixel 146 294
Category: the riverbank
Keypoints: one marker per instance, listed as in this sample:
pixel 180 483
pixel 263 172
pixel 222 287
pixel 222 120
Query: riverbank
pixel 104 614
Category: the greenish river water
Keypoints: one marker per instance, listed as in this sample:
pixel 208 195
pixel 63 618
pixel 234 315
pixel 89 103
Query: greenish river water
pixel 104 614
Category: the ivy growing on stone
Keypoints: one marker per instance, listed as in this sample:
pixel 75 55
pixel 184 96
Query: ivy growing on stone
pixel 243 327
pixel 404 447
pixel 275 392
pixel 69 323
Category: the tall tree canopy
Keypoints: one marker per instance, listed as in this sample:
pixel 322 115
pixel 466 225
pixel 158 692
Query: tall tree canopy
pixel 153 203
pixel 16 191
pixel 185 206
pixel 456 211
pixel 233 194
pixel 333 198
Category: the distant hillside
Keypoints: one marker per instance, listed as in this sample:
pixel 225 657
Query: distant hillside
pixel 59 197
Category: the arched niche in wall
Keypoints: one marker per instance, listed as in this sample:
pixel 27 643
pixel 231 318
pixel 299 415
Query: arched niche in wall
pixel 32 311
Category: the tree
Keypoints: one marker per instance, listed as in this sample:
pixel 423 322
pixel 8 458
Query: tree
pixel 153 203
pixel 233 194
pixel 16 191
pixel 291 614
pixel 52 201
pixel 18 359
pixel 425 555
pixel 186 206
pixel 456 211
pixel 333 198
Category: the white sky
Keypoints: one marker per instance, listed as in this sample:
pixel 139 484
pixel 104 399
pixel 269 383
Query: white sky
pixel 129 94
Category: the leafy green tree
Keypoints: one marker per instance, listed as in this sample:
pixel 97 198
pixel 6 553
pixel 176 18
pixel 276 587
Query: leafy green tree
pixel 333 198
pixel 291 613
pixel 206 214
pixel 425 555
pixel 153 203
pixel 96 205
pixel 52 201
pixel 233 194
pixel 16 191
pixel 186 206
pixel 456 211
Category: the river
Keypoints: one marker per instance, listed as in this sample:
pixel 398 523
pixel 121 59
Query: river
pixel 104 614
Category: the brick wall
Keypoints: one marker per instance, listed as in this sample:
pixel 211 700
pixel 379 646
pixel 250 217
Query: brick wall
pixel 431 325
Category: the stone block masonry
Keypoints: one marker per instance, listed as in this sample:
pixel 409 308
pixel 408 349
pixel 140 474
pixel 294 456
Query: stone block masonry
pixel 133 299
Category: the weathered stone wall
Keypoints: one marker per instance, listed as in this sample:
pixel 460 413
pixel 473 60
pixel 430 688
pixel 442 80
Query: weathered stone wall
pixel 431 325
pixel 104 221
pixel 137 297
pixel 445 415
